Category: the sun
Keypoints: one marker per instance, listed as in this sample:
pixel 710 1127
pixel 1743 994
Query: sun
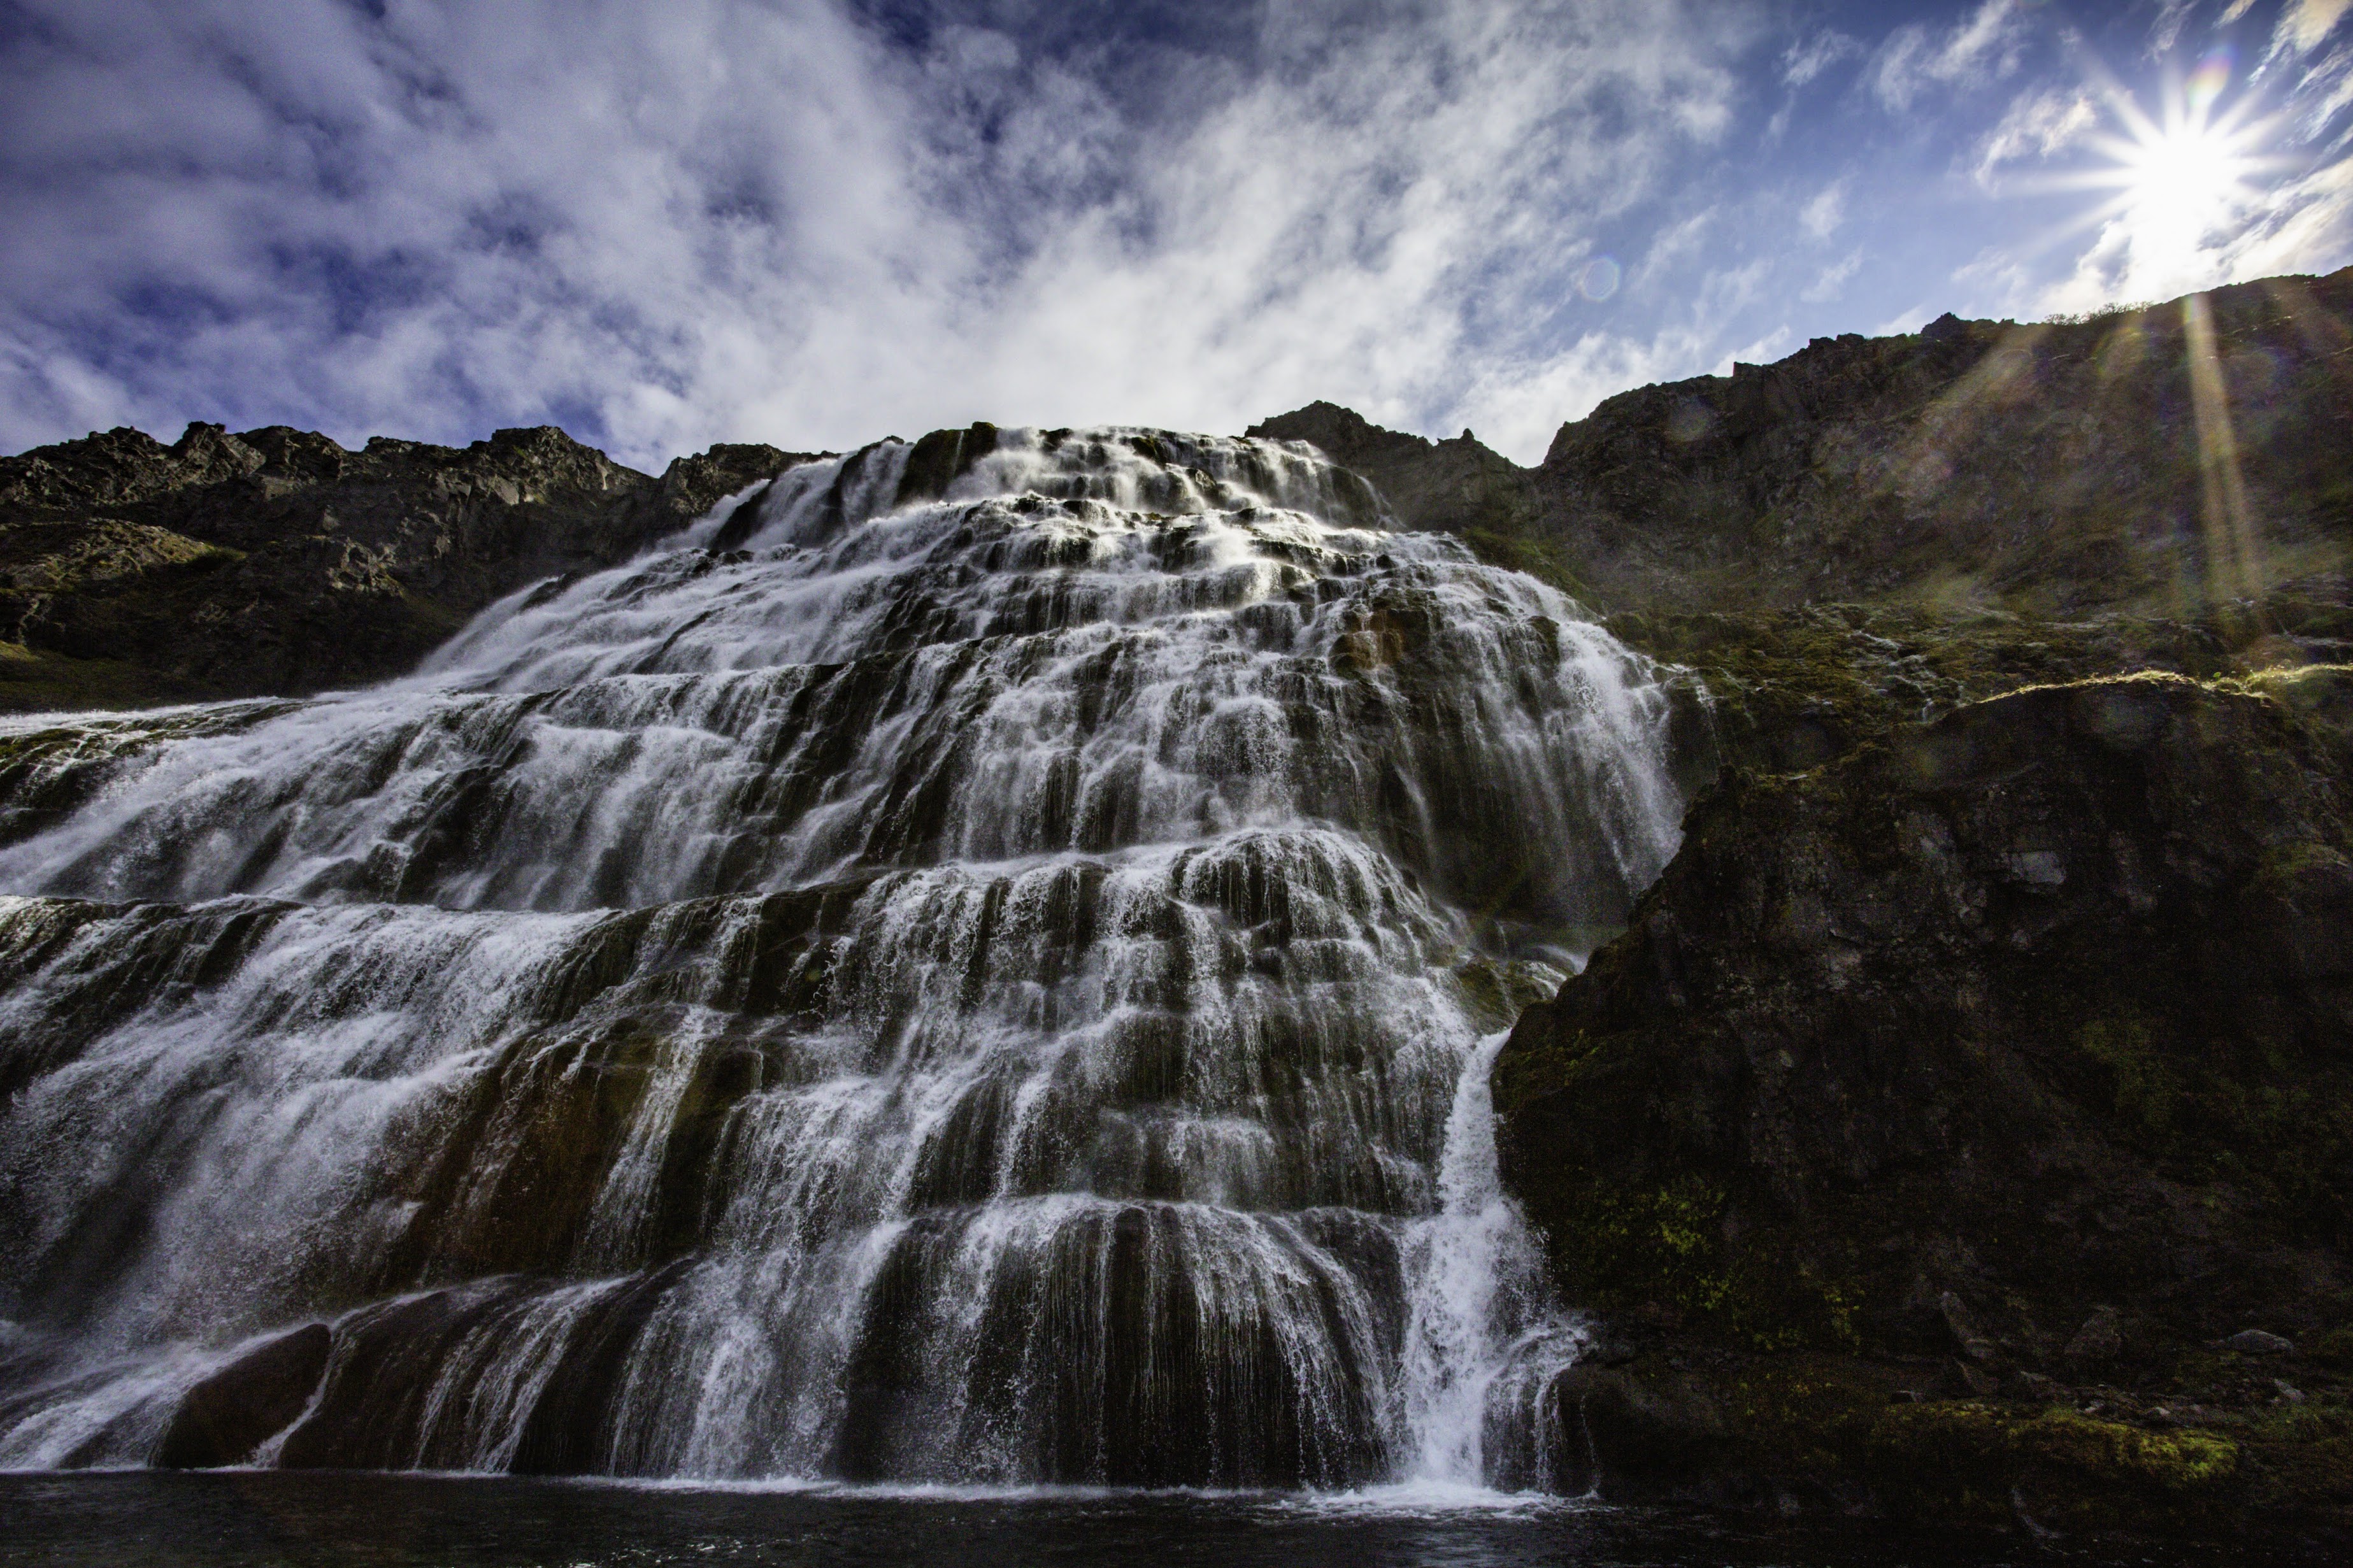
pixel 2184 177
pixel 2187 177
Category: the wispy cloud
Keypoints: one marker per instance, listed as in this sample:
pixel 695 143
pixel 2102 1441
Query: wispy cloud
pixel 1834 279
pixel 1982 48
pixel 716 218
pixel 1802 62
pixel 813 222
pixel 2037 124
pixel 2305 24
pixel 1821 217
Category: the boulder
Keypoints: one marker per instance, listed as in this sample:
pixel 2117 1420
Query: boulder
pixel 1627 1433
pixel 2098 1340
pixel 224 1418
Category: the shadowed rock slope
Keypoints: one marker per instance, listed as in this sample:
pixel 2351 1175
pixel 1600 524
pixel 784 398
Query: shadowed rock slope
pixel 276 563
pixel 2013 1052
pixel 1874 531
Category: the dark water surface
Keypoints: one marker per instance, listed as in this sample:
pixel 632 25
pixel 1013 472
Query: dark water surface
pixel 250 1517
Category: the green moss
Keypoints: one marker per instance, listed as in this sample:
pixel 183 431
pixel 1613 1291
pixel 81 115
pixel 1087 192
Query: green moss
pixel 2291 860
pixel 36 680
pixel 1544 1064
pixel 1853 671
pixel 1539 558
pixel 1845 1426
pixel 2295 683
pixel 1661 1251
pixel 2299 1456
pixel 1500 990
pixel 2144 1087
pixel 2068 1457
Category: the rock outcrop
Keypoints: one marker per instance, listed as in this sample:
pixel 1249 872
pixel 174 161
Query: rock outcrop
pixel 276 563
pixel 1455 486
pixel 224 1418
pixel 2012 1054
pixel 2049 1003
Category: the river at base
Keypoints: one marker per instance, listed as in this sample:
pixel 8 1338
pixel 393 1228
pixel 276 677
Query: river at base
pixel 178 1521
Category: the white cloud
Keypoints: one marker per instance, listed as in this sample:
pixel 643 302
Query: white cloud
pixel 1980 48
pixel 1517 405
pixel 1802 62
pixel 1772 346
pixel 2304 24
pixel 722 219
pixel 1673 246
pixel 2036 124
pixel 1516 409
pixel 2171 16
pixel 2000 282
pixel 1822 216
pixel 1833 280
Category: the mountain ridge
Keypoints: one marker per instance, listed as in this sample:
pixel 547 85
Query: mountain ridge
pixel 277 562
pixel 2152 460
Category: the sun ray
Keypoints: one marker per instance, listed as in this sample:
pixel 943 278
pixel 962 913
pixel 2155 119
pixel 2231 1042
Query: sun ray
pixel 2234 565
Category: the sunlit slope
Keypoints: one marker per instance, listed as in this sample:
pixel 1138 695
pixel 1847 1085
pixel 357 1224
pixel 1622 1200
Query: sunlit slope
pixel 2158 460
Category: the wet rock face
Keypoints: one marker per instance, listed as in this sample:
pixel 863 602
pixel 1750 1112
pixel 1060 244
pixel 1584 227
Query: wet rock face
pixel 222 1419
pixel 1941 1047
pixel 1627 1436
pixel 276 561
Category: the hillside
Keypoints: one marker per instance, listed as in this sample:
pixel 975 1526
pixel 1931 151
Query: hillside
pixel 276 563
pixel 2147 461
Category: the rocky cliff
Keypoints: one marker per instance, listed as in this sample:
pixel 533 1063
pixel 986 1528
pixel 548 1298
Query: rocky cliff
pixel 2011 1055
pixel 2153 460
pixel 275 562
pixel 1959 1128
pixel 2048 1001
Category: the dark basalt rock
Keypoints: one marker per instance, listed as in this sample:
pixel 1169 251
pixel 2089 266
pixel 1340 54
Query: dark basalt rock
pixel 2045 1005
pixel 1631 1436
pixel 274 561
pixel 937 460
pixel 2008 1054
pixel 222 1420
pixel 1455 486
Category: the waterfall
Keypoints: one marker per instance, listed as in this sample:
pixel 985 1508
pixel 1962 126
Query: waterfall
pixel 983 977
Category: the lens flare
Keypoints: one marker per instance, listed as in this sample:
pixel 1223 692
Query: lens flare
pixel 1598 279
pixel 2207 82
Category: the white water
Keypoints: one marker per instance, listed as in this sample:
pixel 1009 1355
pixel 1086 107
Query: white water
pixel 984 992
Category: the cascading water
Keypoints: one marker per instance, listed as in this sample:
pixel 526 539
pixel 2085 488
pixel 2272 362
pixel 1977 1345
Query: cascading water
pixel 993 988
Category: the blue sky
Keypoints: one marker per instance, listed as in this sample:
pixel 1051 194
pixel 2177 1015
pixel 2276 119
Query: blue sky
pixel 813 223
